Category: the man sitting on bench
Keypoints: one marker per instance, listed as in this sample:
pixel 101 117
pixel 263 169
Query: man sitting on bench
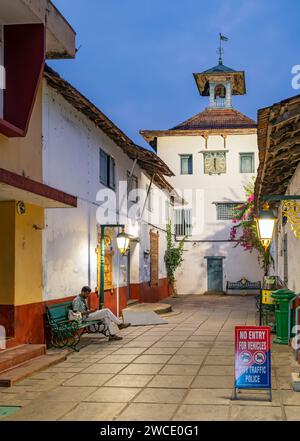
pixel 80 305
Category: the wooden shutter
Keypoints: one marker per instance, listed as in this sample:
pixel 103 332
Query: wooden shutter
pixel 154 265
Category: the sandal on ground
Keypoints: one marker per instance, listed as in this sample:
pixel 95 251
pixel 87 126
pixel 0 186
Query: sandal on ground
pixel 114 337
pixel 124 325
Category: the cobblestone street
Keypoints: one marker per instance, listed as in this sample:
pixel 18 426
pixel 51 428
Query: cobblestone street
pixel 179 371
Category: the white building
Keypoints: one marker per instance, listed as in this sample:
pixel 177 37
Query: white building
pixel 213 154
pixel 279 175
pixel 84 152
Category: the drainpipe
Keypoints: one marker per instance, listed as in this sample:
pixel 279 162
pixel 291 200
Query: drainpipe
pixel 148 192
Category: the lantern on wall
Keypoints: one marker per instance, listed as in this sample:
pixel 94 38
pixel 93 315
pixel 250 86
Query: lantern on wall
pixel 265 223
pixel 123 242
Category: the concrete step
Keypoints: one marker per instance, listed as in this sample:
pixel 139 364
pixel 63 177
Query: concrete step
pixel 24 370
pixel 10 342
pixel 159 308
pixel 19 354
pixel 132 302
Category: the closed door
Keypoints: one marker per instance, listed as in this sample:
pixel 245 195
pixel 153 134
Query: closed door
pixel 215 274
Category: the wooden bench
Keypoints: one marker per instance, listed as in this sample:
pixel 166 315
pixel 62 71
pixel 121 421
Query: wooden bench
pixel 66 333
pixel 243 285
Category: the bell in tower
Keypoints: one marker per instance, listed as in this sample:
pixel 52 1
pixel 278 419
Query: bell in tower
pixel 220 83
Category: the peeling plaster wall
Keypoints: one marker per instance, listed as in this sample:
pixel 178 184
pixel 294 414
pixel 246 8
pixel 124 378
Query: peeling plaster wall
pixel 71 163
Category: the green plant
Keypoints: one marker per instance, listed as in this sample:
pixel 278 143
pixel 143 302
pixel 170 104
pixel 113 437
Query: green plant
pixel 244 224
pixel 173 257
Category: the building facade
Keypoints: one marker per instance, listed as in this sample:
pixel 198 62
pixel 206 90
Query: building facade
pixel 213 155
pixel 30 33
pixel 279 174
pixel 62 162
pixel 86 154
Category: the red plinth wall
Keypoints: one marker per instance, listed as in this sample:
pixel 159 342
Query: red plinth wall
pixel 28 323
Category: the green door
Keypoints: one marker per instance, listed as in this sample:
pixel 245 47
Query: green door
pixel 215 274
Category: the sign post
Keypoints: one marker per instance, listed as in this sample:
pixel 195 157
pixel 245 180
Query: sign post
pixel 252 358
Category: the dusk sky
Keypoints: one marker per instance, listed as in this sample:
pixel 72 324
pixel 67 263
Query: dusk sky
pixel 136 57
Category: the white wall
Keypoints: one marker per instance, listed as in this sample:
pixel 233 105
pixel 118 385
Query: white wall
pixel 71 163
pixel 210 236
pixel 293 243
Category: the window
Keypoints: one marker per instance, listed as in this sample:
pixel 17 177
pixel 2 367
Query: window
pixel 107 170
pixel 246 162
pixel 225 211
pixel 214 163
pixel 183 222
pixel 186 164
pixel 132 185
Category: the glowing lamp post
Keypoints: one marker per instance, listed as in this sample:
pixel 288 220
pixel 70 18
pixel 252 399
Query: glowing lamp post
pixel 123 242
pixel 265 223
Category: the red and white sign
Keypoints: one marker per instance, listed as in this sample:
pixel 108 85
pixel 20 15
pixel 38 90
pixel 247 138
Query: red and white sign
pixel 252 357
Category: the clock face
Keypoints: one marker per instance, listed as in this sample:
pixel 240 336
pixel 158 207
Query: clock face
pixel 214 163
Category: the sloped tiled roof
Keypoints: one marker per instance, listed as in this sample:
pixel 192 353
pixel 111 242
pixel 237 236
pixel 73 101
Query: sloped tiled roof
pixel 211 119
pixel 219 68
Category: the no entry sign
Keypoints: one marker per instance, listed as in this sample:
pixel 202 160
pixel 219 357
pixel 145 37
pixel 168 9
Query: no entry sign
pixel 252 358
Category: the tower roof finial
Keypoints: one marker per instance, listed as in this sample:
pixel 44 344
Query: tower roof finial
pixel 220 49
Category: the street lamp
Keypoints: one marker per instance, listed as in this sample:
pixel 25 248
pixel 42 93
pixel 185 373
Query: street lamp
pixel 123 242
pixel 265 223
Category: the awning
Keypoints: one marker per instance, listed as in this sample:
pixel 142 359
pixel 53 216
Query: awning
pixel 60 36
pixel 14 187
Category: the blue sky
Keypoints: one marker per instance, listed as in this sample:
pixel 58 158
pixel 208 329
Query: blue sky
pixel 136 57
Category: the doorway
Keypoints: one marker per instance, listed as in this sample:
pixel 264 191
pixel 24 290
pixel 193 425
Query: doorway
pixel 215 274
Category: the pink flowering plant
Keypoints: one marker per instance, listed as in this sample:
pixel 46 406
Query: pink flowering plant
pixel 244 231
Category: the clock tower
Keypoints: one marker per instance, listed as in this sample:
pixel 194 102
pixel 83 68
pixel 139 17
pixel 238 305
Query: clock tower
pixel 220 83
pixel 213 155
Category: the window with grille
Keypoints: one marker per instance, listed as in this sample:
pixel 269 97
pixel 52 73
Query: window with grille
pixel 246 162
pixel 226 211
pixel 183 222
pixel 186 164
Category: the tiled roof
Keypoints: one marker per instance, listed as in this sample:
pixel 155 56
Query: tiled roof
pixel 219 68
pixel 211 119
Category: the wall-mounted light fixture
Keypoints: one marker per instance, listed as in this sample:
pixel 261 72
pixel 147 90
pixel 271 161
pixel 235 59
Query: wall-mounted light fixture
pixel 123 242
pixel 265 223
pixel 266 219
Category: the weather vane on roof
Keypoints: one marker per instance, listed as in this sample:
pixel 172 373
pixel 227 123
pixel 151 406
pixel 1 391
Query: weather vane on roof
pixel 220 49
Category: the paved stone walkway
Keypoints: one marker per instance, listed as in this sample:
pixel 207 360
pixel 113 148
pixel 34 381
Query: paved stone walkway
pixel 179 371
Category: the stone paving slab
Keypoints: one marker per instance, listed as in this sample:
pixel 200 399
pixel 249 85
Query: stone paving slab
pixel 253 413
pixel 160 395
pixel 202 413
pixel 94 412
pixel 113 394
pixel 180 371
pixel 148 412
